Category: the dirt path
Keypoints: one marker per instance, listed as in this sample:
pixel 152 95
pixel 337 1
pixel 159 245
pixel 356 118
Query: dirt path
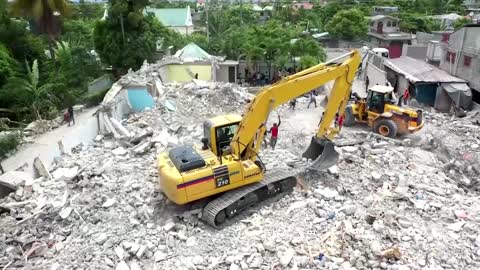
pixel 45 146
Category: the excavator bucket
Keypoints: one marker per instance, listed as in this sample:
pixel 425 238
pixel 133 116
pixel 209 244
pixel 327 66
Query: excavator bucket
pixel 323 154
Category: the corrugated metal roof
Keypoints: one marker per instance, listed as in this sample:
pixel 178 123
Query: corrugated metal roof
pixel 192 52
pixel 419 71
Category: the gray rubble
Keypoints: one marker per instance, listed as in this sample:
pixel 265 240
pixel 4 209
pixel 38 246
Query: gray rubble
pixel 407 203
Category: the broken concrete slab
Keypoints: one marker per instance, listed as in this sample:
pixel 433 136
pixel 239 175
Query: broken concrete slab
pixel 147 132
pixel 142 148
pixel 120 128
pixel 120 151
pixel 65 174
pixel 12 180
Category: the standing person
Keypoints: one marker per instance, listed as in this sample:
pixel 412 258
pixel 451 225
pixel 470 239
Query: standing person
pixel 406 95
pixel 196 76
pixel 71 118
pixel 367 82
pixel 274 131
pixel 293 103
pixel 340 121
pixel 259 78
pixel 312 100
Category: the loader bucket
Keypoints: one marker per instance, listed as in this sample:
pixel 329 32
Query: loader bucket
pixel 323 154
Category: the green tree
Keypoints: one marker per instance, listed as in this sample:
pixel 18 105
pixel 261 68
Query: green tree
pixel 79 32
pixel 307 61
pixel 7 65
pixel 21 43
pixel 327 12
pixel 46 16
pixel 308 46
pixel 461 22
pixel 348 24
pixel 414 22
pixel 200 39
pixel 87 11
pixel 127 37
pixel 222 21
pixel 30 93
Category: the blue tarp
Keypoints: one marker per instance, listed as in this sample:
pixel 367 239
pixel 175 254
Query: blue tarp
pixel 140 99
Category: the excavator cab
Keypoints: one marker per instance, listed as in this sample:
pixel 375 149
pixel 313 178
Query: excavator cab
pixel 219 131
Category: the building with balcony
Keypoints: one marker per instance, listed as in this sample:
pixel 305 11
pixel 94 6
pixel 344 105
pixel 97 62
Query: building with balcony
pixel 385 32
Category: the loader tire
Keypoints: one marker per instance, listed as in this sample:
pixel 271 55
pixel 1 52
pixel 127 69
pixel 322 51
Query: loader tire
pixel 349 117
pixel 386 127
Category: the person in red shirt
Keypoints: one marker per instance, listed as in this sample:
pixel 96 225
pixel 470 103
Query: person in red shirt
pixel 340 121
pixel 406 96
pixel 274 131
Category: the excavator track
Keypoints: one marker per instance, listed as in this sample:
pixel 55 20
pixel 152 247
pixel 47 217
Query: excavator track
pixel 230 204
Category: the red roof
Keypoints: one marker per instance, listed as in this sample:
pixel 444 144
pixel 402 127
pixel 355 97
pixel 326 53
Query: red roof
pixel 200 1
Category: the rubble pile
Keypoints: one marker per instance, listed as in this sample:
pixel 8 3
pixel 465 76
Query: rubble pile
pixel 41 126
pixel 388 204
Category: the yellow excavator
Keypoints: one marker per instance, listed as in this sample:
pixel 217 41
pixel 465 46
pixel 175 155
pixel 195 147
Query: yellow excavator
pixel 226 174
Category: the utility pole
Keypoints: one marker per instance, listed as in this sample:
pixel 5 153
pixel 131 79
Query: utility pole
pixel 206 13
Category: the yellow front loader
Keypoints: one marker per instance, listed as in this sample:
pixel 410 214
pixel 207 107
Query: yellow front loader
pixel 225 172
pixel 378 111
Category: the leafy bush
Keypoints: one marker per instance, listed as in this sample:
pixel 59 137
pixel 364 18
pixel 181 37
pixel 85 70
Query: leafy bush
pixel 9 142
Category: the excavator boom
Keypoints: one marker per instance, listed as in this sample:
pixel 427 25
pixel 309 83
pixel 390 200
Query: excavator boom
pixel 245 143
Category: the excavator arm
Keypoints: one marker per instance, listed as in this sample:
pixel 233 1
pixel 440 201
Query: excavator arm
pixel 248 137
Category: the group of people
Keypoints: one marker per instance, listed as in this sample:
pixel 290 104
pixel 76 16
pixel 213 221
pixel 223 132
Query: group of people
pixel 312 100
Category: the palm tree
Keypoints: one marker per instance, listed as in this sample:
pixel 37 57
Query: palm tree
pixel 30 92
pixel 46 15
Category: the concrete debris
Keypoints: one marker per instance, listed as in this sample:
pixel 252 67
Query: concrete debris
pixel 65 212
pixel 38 127
pixel 108 203
pixel 122 266
pixel 65 174
pixel 388 203
pixel 286 256
pixel 159 256
pixel 40 168
pixel 120 151
pixel 12 180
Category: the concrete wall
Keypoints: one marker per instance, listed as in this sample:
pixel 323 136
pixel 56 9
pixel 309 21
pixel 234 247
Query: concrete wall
pixel 179 73
pixel 415 51
pixel 464 43
pixel 374 70
pixel 222 73
pixel 472 40
pixel 434 51
pixel 102 83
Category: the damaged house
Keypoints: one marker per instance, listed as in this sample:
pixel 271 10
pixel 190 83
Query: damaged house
pixel 428 84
